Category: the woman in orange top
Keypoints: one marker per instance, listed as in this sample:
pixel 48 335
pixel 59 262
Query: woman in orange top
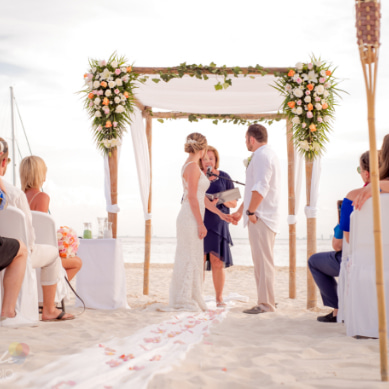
pixel 32 176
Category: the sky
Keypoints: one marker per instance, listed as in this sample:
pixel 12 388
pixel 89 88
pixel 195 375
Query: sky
pixel 44 52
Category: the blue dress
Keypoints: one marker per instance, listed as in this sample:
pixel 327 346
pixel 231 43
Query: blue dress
pixel 218 239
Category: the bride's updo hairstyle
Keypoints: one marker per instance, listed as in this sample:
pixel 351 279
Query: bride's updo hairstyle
pixel 195 142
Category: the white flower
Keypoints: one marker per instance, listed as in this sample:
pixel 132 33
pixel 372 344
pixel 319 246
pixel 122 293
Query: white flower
pixel 319 119
pixel 246 161
pixel 318 63
pixel 326 93
pixel 119 109
pixel 304 145
pixel 293 110
pixel 296 76
pixel 96 84
pixel 288 87
pixel 98 114
pixel 298 92
pixel 307 99
pixel 296 120
pixel 123 69
pixel 108 92
pixel 112 84
pixel 114 64
pixel 117 100
pixel 97 100
pixel 318 106
pixel 125 78
pixel 327 84
pixel 102 63
pixel 106 73
pixel 93 70
pixel 323 73
pixel 119 82
pixel 299 66
pixel 311 76
pixel 326 118
pixel 122 98
pixel 319 89
pixel 299 110
pixel 316 146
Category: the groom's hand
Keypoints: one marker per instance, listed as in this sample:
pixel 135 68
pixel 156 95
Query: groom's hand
pixel 253 219
pixel 236 216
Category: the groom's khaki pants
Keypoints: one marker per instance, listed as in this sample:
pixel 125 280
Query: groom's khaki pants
pixel 262 240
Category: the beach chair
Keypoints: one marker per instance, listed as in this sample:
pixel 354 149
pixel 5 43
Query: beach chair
pixel 12 225
pixel 46 233
pixel 342 283
pixel 361 314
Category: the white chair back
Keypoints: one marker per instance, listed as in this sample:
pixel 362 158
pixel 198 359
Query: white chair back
pixel 12 225
pixel 46 233
pixel 361 294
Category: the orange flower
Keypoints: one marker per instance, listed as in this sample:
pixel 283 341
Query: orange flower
pixel 328 72
pixel 103 84
pixel 312 127
pixel 106 101
pixel 310 86
pixel 291 73
pixel 85 75
pixel 309 106
pixel 291 104
pixel 129 69
pixel 126 95
pixel 324 106
pixel 108 124
pixel 91 95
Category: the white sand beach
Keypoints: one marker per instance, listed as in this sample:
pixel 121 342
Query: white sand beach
pixel 288 348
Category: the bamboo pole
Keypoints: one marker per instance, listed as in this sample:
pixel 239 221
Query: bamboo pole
pixel 368 32
pixel 251 116
pixel 228 70
pixel 291 211
pixel 311 239
pixel 113 176
pixel 148 225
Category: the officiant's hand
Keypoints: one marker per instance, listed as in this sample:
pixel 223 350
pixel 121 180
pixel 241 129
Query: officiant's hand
pixel 236 216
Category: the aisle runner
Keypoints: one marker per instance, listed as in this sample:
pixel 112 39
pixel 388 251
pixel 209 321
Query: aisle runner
pixel 132 361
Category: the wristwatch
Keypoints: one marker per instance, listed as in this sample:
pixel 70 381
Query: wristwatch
pixel 248 213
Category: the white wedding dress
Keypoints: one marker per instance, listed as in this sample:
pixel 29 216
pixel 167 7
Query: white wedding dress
pixel 187 280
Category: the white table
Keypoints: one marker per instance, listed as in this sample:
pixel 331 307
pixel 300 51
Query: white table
pixel 101 282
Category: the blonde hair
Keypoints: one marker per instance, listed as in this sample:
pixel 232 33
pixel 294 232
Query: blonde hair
pixel 195 142
pixel 217 158
pixel 32 172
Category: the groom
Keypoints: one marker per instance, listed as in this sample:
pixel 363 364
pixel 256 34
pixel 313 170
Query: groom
pixel 260 210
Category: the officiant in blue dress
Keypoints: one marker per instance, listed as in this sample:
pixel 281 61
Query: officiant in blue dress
pixel 217 253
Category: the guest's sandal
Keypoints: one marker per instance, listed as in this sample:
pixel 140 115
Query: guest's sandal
pixel 61 317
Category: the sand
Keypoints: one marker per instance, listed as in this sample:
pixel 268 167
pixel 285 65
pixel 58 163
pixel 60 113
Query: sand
pixel 287 348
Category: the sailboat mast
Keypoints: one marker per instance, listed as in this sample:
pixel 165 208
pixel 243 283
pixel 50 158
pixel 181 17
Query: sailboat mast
pixel 13 136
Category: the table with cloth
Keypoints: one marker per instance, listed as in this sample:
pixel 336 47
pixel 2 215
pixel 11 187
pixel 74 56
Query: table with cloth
pixel 101 282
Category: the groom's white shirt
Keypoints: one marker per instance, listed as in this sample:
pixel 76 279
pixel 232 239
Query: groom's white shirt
pixel 263 175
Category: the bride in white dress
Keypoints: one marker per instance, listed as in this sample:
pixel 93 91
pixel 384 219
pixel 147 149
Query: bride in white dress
pixel 187 280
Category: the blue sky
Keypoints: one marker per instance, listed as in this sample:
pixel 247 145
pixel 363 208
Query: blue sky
pixel 44 51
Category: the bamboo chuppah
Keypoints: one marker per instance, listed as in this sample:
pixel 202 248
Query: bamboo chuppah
pixel 368 33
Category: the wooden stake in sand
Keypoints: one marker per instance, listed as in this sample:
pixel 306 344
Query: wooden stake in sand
pixel 113 176
pixel 368 34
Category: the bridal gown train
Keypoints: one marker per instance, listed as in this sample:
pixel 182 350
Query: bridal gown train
pixel 187 280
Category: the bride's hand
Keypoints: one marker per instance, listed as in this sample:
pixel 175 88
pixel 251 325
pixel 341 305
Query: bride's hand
pixel 202 231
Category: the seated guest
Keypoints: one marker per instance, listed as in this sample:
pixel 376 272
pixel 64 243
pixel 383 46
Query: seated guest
pixel 325 266
pixel 366 193
pixel 32 176
pixel 42 256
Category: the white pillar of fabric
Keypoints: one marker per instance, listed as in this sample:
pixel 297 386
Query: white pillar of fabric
pixel 298 170
pixel 111 208
pixel 142 158
pixel 311 210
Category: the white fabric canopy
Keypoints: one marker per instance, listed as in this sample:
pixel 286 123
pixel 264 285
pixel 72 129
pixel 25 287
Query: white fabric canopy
pixel 189 94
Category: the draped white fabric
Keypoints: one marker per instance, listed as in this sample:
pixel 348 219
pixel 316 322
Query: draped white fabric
pixel 142 158
pixel 311 210
pixel 189 94
pixel 298 177
pixel 112 208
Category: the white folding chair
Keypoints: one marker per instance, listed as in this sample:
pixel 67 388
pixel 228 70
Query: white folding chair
pixel 46 233
pixel 12 225
pixel 342 283
pixel 361 293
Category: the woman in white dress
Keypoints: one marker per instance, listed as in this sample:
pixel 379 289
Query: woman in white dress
pixel 186 285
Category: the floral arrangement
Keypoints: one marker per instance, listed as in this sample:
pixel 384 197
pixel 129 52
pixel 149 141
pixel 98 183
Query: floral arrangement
pixel 109 99
pixel 246 161
pixel 67 242
pixel 309 103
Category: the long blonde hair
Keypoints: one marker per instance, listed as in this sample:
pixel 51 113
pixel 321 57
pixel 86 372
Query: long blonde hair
pixel 32 172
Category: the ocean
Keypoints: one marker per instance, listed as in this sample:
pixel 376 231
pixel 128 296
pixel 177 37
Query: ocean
pixel 163 249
